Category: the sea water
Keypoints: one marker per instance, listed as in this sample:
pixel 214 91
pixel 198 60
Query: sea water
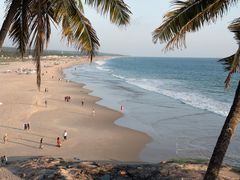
pixel 181 103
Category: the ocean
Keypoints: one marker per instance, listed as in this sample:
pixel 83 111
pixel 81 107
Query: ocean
pixel 181 103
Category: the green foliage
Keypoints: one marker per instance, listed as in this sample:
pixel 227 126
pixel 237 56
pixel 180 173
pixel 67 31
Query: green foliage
pixel 236 169
pixel 19 29
pixel 189 160
pixel 231 63
pixel 118 11
pixel 188 16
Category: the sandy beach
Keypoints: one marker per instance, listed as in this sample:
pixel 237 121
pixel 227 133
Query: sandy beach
pixel 92 134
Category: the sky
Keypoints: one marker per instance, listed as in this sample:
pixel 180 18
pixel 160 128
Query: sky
pixel 213 40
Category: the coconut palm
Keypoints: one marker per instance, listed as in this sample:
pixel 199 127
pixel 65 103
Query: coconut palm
pixel 29 24
pixel 190 16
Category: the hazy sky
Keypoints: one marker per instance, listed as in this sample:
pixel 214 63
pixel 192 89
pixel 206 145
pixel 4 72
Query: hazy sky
pixel 211 41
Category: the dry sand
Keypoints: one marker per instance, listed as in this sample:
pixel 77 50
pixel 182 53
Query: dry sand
pixel 91 136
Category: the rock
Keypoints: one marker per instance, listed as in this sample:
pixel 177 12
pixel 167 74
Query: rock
pixel 92 166
pixel 22 175
pixel 86 163
pixel 105 177
pixel 51 176
pixel 50 168
pixel 164 172
pixel 123 173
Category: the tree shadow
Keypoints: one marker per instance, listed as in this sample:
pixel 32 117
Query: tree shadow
pixel 9 127
pixel 28 140
pixel 48 144
pixel 57 100
pixel 26 132
pixel 36 142
pixel 15 142
pixel 37 105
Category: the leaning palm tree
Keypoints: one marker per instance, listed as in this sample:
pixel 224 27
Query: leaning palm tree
pixel 190 16
pixel 29 24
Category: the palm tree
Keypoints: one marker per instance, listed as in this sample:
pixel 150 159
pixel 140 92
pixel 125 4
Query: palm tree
pixel 29 24
pixel 190 16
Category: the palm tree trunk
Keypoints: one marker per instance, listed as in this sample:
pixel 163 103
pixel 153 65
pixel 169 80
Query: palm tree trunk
pixel 8 20
pixel 38 67
pixel 39 43
pixel 224 139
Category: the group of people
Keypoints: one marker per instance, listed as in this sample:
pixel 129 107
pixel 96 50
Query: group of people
pixel 26 126
pixel 64 138
pixel 59 144
pixel 67 98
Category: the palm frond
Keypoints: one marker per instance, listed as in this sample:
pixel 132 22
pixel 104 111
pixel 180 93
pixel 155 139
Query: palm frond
pixel 188 16
pixel 76 28
pixel 235 28
pixel 80 5
pixel 228 66
pixel 228 62
pixel 231 63
pixel 19 30
pixel 118 10
pixel 12 6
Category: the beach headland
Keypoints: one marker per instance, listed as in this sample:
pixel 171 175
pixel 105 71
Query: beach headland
pixel 58 168
pixel 92 134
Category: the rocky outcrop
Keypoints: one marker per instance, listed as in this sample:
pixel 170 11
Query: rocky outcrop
pixel 58 168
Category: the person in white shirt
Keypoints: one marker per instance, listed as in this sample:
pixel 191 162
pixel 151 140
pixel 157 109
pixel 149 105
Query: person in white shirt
pixel 65 135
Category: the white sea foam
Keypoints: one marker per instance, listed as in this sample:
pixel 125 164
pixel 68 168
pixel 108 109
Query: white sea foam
pixel 103 69
pixel 191 98
pixel 168 88
pixel 100 63
pixel 118 76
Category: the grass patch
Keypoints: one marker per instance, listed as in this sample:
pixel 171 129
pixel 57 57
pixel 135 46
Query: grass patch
pixel 236 169
pixel 190 160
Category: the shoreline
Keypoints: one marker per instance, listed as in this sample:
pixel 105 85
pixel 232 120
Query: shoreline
pixel 103 140
pixel 114 121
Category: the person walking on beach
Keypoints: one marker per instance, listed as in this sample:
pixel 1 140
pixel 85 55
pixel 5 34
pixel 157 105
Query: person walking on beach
pixel 28 126
pixel 65 135
pixel 25 126
pixel 41 144
pixel 5 139
pixel 58 142
pixel 45 103
pixel 4 160
pixel 83 101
